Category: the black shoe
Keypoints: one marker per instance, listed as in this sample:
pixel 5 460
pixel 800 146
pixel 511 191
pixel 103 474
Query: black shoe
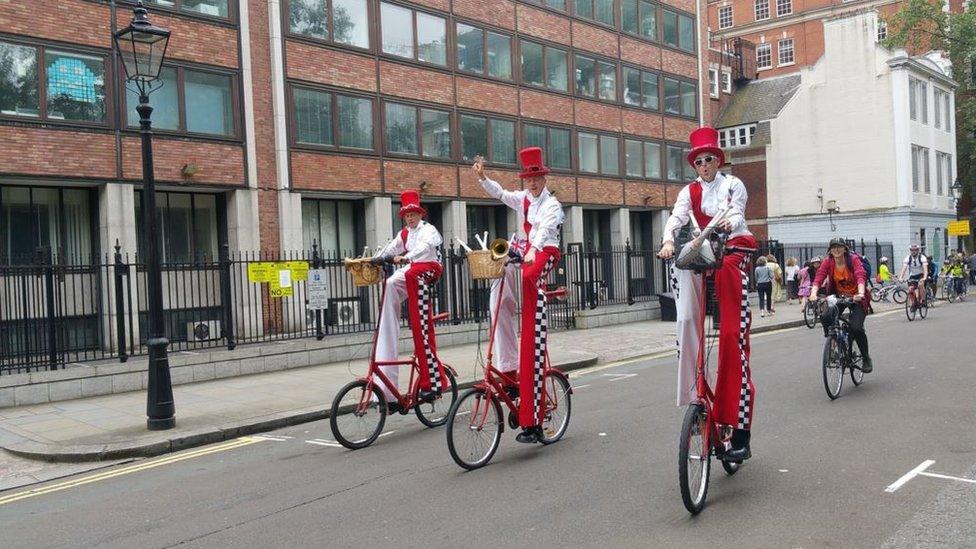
pixel 529 435
pixel 393 408
pixel 739 450
pixel 512 391
pixel 867 365
pixel 428 395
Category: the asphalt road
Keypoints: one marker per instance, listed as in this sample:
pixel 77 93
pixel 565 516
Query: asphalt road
pixel 818 477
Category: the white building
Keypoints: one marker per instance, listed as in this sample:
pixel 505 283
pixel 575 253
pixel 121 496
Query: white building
pixel 869 133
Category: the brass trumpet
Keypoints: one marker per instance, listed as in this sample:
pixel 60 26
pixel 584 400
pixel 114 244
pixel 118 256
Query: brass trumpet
pixel 499 249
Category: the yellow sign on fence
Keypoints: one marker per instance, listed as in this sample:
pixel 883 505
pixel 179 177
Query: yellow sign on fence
pixel 958 228
pixel 270 271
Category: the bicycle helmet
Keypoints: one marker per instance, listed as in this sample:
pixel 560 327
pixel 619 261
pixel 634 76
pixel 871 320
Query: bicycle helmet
pixel 884 259
pixel 913 247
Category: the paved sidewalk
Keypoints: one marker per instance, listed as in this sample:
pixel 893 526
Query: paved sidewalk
pixel 114 426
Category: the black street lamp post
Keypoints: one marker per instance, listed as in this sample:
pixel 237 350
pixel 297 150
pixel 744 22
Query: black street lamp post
pixel 142 47
pixel 957 198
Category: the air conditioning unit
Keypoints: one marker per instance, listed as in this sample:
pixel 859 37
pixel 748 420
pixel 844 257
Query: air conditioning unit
pixel 203 330
pixel 344 312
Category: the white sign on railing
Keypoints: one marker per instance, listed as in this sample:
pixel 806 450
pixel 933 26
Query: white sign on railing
pixel 318 289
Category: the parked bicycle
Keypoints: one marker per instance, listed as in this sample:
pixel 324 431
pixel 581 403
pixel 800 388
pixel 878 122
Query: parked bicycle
pixel 839 354
pixel 360 408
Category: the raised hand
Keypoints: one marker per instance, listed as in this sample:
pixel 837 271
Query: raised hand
pixel 479 166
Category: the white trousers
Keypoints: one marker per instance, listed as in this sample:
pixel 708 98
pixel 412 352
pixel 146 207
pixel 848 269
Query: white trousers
pixel 388 336
pixel 505 348
pixel 688 292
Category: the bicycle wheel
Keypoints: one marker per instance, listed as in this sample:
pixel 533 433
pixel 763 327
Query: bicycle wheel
pixel 357 416
pixel 923 309
pixel 810 315
pixel 731 467
pixel 558 406
pixel 910 306
pixel 876 294
pixel 693 459
pixel 899 295
pixel 857 375
pixel 833 366
pixel 434 414
pixel 474 428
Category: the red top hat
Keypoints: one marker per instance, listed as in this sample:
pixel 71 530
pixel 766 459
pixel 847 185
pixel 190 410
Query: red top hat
pixel 532 166
pixel 410 202
pixel 705 139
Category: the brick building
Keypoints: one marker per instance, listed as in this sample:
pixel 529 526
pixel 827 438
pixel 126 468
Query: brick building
pixel 274 135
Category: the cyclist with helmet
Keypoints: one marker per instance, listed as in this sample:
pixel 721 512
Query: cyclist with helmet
pixel 843 275
pixel 917 267
pixel 884 274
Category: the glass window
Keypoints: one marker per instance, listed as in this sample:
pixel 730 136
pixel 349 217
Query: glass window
pixel 786 51
pixel 38 223
pixel 18 81
pixel 648 20
pixel 633 158
pixel 651 92
pixel 559 151
pixel 308 17
pixel 165 103
pixel 532 66
pixel 585 81
pixel 355 122
pixel 629 20
pixel 557 69
pixel 397 32
pixel 499 56
pixel 603 11
pixel 725 17
pixel 609 155
pixel 632 86
pixel 332 225
pixel 503 141
pixel 672 96
pixel 686 33
pixel 670 30
pixel 676 162
pixel 209 108
pixel 75 87
pixel 689 99
pixel 784 7
pixel 187 226
pixel 608 81
pixel 689 170
pixel 470 49
pixel 435 129
pixel 350 22
pixel 589 156
pixel 764 56
pixel 401 128
pixel 474 137
pixel 313 117
pixel 652 160
pixel 535 136
pixel 216 8
pixel 431 39
pixel 583 8
pixel 762 10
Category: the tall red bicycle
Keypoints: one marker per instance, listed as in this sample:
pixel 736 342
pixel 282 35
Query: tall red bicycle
pixel 475 422
pixel 360 408
pixel 702 437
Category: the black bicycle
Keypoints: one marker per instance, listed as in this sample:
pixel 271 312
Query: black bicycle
pixel 839 354
pixel 813 311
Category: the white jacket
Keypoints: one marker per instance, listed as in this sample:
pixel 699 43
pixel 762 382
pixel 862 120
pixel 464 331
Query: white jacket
pixel 545 212
pixel 422 244
pixel 714 197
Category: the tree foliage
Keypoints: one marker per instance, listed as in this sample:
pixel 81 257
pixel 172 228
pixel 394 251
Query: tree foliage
pixel 922 25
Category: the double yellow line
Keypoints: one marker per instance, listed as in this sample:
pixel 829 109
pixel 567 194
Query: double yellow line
pixel 134 468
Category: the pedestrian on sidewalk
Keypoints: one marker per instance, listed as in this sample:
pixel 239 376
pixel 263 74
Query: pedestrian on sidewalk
pixel 792 282
pixel 415 250
pixel 710 194
pixel 805 277
pixel 777 272
pixel 764 285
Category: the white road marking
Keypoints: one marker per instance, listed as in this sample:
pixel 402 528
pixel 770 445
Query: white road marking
pixel 618 377
pixel 909 476
pixel 270 437
pixel 601 434
pixel 321 442
pixel 188 353
pixel 387 433
pixel 784 470
pixel 948 477
pixel 580 386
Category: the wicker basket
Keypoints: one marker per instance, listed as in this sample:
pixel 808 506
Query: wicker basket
pixel 483 266
pixel 363 272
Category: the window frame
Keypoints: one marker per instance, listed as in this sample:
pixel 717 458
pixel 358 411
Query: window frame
pixel 643 160
pixel 371 14
pixel 570 68
pixel 448 39
pixel 451 124
pixel 791 49
pixel 485 72
pixel 726 79
pixel 181 69
pixel 678 14
pixel 641 72
pixel 40 50
pixel 657 20
pixel 662 86
pixel 784 8
pixel 93 235
pixel 163 227
pixel 725 22
pixel 177 8
pixel 882 33
pixel 489 152
pixel 548 143
pixel 761 7
pixel 713 83
pixel 334 123
pixel 766 47
pixel 593 3
pixel 597 74
pixel 599 154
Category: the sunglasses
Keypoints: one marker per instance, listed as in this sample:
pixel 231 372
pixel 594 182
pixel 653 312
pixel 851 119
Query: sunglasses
pixel 704 160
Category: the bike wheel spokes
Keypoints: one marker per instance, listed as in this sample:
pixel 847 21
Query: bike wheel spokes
pixel 899 295
pixel 558 406
pixel 911 305
pixel 810 315
pixel 694 459
pixel 434 414
pixel 358 414
pixel 833 367
pixel 474 428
